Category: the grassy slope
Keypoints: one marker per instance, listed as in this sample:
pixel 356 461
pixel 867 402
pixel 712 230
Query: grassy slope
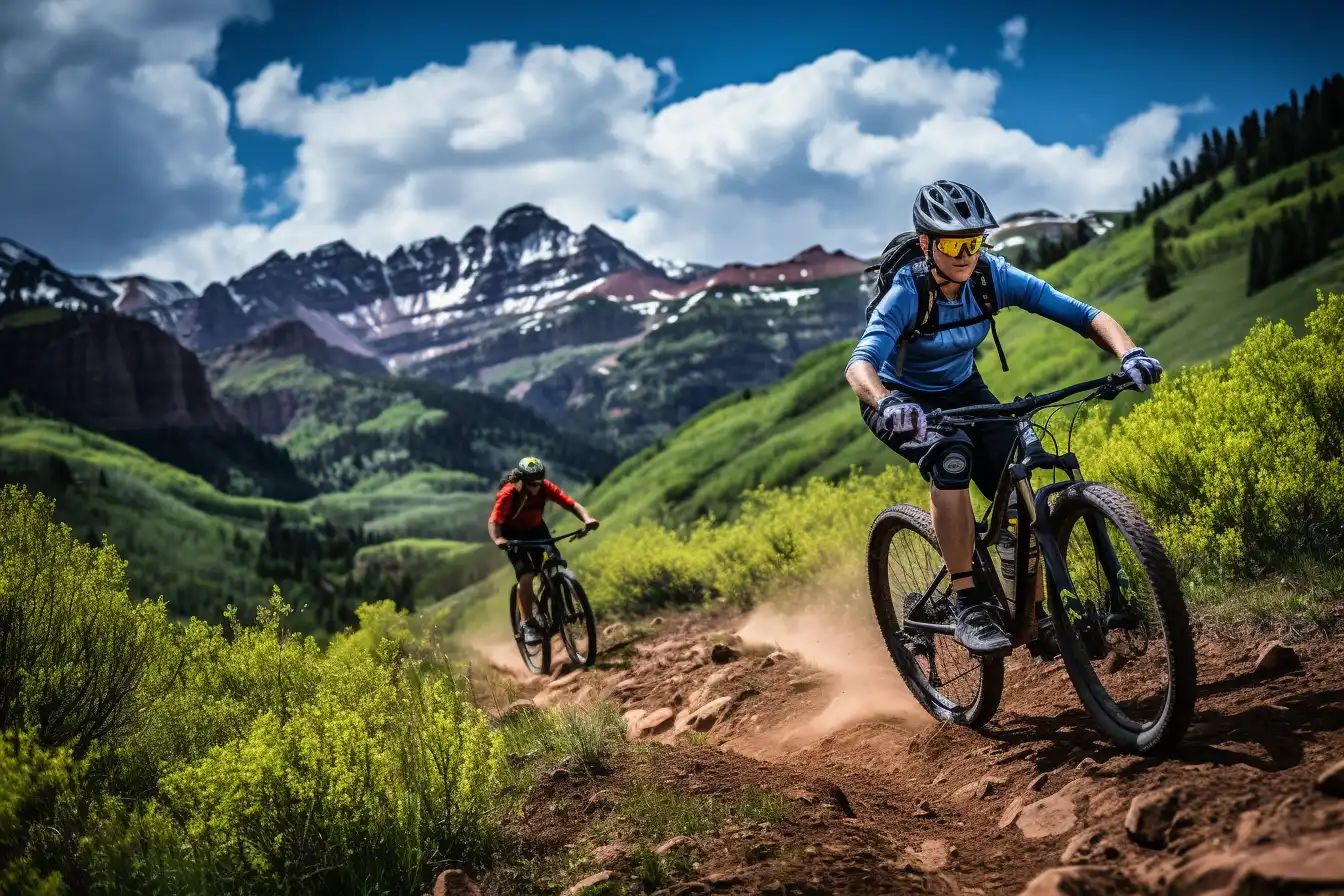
pixel 404 457
pixel 184 539
pixel 808 423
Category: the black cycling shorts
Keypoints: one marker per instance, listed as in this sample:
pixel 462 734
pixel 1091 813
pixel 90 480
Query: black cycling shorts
pixel 528 560
pixel 991 443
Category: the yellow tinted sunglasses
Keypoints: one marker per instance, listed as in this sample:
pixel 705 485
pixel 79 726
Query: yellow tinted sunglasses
pixel 955 245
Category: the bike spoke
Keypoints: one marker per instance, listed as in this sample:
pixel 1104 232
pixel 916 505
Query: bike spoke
pixel 913 564
pixel 1130 658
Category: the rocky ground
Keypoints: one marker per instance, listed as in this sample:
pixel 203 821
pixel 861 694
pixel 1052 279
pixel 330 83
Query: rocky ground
pixel 772 755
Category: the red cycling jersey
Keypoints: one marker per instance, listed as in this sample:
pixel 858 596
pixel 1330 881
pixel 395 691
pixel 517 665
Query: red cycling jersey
pixel 518 509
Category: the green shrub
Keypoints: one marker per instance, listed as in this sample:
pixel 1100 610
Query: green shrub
pixel 1239 467
pixel 79 661
pixel 142 755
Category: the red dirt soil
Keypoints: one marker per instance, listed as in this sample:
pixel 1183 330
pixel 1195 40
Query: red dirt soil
pixel 888 801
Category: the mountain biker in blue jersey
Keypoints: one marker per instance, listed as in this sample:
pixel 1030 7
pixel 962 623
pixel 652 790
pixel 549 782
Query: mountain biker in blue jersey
pixel 938 370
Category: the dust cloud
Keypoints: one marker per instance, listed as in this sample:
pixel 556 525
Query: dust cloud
pixel 827 627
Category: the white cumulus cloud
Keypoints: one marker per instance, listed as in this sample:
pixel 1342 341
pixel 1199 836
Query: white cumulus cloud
pixel 828 152
pixel 113 141
pixel 1014 32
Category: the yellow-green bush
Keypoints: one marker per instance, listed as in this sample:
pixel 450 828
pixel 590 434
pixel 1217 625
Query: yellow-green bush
pixel 780 536
pixel 220 759
pixel 1239 467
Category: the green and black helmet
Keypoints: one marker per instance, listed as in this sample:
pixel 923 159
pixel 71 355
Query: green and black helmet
pixel 531 469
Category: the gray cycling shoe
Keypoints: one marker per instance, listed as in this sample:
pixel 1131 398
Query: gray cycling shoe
pixel 978 627
pixel 531 633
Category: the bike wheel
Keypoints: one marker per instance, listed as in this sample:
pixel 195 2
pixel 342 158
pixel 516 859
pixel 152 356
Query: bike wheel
pixel 903 561
pixel 1123 628
pixel 537 657
pixel 575 615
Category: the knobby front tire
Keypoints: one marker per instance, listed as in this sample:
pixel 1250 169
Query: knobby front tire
pixel 1150 723
pixel 567 582
pixel 903 559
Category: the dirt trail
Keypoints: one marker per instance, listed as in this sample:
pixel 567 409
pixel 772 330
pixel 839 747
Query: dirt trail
pixel 808 705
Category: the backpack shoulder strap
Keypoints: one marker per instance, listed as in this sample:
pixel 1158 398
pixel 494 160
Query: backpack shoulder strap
pixel 982 287
pixel 926 309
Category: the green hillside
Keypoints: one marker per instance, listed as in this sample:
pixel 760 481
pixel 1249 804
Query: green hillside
pixel 185 539
pixel 808 424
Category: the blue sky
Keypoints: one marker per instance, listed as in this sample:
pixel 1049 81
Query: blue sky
pixel 192 141
pixel 1084 69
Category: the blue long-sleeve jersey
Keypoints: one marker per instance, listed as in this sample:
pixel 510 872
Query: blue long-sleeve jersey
pixel 947 359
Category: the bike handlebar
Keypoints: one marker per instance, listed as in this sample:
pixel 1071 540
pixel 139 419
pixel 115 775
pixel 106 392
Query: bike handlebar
pixel 1107 386
pixel 543 542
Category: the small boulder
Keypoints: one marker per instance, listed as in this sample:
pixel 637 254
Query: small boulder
pixel 455 882
pixel 591 880
pixel 708 715
pixel 1081 880
pixel 722 653
pixel 656 621
pixel 656 722
pixel 632 719
pixel 1087 846
pixel 1150 815
pixel 616 631
pixel 777 656
pixel 1038 783
pixel 1276 658
pixel 1050 817
pixel 930 856
pixel 1331 781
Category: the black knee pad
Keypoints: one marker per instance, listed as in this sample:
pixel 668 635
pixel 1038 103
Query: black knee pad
pixel 950 465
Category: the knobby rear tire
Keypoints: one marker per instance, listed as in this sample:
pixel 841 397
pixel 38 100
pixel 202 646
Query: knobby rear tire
pixel 567 579
pixel 544 667
pixel 1170 726
pixel 885 527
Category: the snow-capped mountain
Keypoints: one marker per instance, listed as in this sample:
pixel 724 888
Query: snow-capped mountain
pixel 1029 228
pixel 529 287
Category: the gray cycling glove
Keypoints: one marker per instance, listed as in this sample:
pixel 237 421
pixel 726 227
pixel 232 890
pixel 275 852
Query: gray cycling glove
pixel 901 419
pixel 1142 369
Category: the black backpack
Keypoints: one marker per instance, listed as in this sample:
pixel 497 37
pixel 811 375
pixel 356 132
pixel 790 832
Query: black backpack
pixel 904 250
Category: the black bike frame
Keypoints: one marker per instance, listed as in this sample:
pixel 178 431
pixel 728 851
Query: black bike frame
pixel 550 561
pixel 1032 506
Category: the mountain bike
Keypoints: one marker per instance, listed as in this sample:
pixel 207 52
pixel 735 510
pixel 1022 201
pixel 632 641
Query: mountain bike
pixel 561 608
pixel 1112 594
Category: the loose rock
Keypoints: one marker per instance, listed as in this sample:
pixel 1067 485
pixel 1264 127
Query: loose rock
pixel 655 722
pixel 519 708
pixel 1148 822
pixel 610 853
pixel 1038 783
pixel 1310 866
pixel 1080 880
pixel 672 843
pixel 591 880
pixel 706 716
pixel 1049 817
pixel 1331 781
pixel 632 720
pixel 1276 658
pixel 722 653
pixel 455 882
pixel 1010 814
pixel 777 656
pixel 931 855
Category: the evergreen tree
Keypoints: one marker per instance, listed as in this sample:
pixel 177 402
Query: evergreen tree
pixel 1215 191
pixel 1230 147
pixel 1127 221
pixel 1157 283
pixel 1241 167
pixel 1188 171
pixel 1207 164
pixel 1251 134
pixel 1218 151
pixel 1025 260
pixel 1176 176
